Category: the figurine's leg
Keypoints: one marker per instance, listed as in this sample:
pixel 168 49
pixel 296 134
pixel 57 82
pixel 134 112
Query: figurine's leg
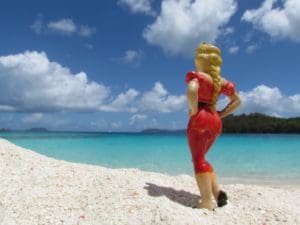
pixel 204 185
pixel 215 185
pixel 214 182
pixel 203 172
pixel 198 141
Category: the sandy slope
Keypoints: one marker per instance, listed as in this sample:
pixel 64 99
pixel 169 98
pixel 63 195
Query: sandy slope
pixel 35 189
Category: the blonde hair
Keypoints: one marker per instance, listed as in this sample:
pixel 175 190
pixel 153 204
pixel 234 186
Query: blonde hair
pixel 211 57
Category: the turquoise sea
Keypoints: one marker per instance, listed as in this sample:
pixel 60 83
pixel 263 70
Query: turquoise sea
pixel 250 158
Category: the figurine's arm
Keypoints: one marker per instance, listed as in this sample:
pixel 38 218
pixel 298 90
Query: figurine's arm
pixel 192 96
pixel 234 103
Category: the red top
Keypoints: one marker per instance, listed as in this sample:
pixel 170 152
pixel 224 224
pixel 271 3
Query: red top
pixel 205 93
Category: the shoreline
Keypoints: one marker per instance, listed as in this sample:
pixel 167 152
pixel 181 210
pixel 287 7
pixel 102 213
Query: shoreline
pixel 276 180
pixel 36 189
pixel 225 179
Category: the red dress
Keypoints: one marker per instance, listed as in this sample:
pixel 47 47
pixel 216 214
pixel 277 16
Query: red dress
pixel 205 126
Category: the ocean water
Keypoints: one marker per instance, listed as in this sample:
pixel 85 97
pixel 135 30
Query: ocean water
pixel 250 158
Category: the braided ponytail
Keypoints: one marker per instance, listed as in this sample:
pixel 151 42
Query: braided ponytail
pixel 211 57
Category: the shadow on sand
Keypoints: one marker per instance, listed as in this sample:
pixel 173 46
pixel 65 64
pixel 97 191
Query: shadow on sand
pixel 179 196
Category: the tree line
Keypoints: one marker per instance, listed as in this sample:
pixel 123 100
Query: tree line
pixel 260 123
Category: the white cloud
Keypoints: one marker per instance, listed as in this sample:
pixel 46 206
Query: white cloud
pixel 7 108
pixel 137 118
pixel 279 22
pixel 228 30
pixel 32 118
pixel 62 26
pixel 234 49
pixel 267 100
pixel 183 24
pixel 138 6
pixel 158 100
pixel 86 31
pixel 123 102
pixel 132 57
pixel 30 82
pixel 251 48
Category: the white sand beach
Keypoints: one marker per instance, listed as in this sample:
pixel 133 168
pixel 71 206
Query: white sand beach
pixel 35 189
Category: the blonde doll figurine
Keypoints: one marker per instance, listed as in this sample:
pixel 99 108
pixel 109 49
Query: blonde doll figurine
pixel 203 89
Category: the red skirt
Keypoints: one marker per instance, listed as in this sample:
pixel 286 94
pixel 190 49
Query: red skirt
pixel 202 130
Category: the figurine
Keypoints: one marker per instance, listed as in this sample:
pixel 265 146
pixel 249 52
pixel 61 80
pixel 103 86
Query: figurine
pixel 203 88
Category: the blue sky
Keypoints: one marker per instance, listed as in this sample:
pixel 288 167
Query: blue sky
pixel 120 64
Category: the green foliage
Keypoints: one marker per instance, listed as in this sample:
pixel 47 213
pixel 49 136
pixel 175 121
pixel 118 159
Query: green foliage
pixel 260 123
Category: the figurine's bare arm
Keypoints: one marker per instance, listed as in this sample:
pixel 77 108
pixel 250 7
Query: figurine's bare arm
pixel 234 103
pixel 192 96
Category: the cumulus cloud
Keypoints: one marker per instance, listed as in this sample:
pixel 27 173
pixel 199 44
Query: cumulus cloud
pixel 138 6
pixel 279 22
pixel 131 57
pixel 85 31
pixel 30 82
pixel 182 24
pixel 137 118
pixel 158 99
pixel 227 31
pixel 234 49
pixel 62 26
pixel 123 102
pixel 251 48
pixel 267 100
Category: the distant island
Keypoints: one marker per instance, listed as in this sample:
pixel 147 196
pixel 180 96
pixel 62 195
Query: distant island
pixel 5 130
pixel 252 123
pixel 34 129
